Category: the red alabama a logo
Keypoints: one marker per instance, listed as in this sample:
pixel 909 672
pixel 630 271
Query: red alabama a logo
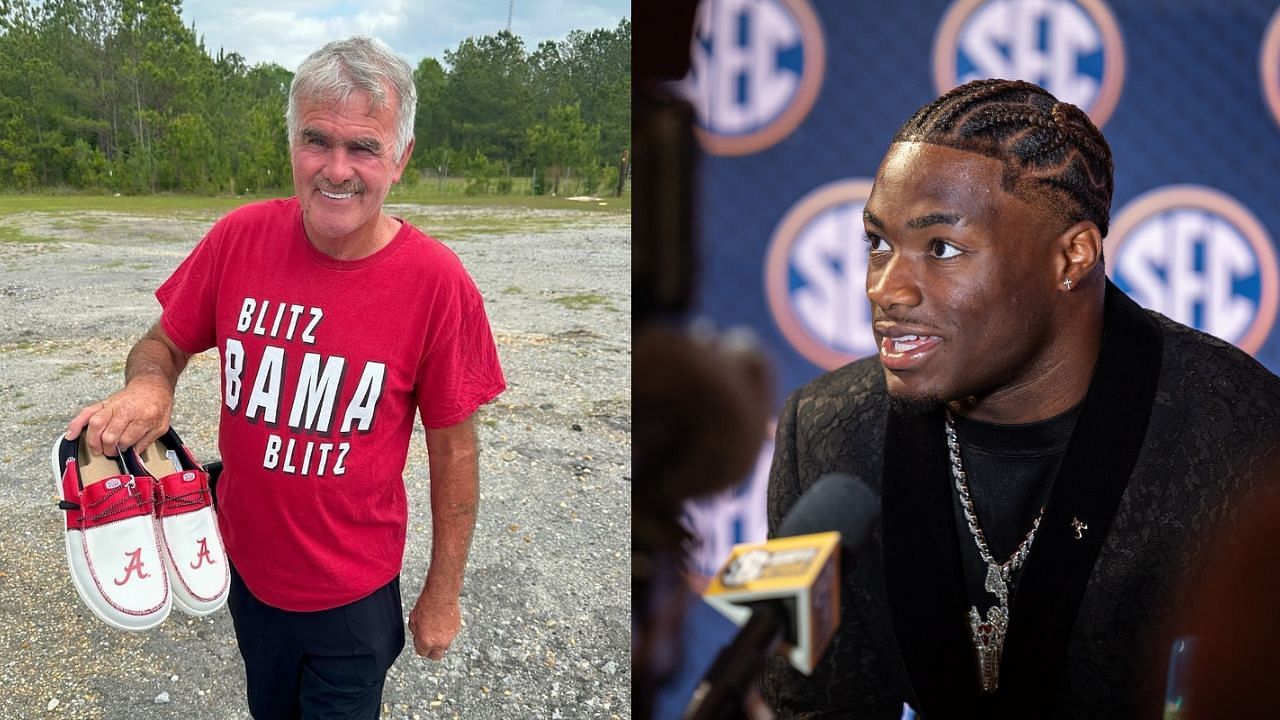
pixel 203 555
pixel 135 565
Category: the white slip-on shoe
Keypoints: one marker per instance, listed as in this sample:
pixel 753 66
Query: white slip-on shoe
pixel 189 539
pixel 112 545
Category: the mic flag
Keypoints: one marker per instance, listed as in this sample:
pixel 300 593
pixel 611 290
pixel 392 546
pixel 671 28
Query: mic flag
pixel 785 592
pixel 803 573
pixel 798 573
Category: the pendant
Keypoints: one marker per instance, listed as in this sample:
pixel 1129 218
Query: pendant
pixel 988 641
pixel 997 583
pixel 988 634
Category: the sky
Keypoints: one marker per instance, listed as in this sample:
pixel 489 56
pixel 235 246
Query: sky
pixel 286 31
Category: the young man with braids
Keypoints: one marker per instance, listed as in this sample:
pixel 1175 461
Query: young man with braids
pixel 1050 456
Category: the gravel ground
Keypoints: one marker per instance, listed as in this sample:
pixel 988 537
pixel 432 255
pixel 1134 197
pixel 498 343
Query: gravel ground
pixel 546 607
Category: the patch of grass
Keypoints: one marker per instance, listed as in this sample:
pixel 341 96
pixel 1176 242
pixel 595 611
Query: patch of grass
pixel 442 226
pixel 153 205
pixel 80 222
pixel 165 205
pixel 455 228
pixel 513 290
pixel 431 192
pixel 585 301
pixel 67 371
pixel 12 235
pixel 24 406
pixel 113 265
pixel 37 348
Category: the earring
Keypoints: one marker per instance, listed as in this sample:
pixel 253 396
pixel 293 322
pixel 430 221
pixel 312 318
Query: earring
pixel 1067 282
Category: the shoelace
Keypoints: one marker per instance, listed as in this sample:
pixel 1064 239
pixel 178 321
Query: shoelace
pixel 117 504
pixel 192 498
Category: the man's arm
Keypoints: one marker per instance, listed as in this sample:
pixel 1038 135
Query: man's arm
pixel 455 495
pixel 140 412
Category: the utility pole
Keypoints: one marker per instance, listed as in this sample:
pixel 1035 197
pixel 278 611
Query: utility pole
pixel 511 4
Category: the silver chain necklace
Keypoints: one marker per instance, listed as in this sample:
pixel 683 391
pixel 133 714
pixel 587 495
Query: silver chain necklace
pixel 987 634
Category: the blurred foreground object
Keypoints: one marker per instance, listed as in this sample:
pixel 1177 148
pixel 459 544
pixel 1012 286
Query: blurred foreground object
pixel 701 408
pixel 702 402
pixel 703 405
pixel 1235 618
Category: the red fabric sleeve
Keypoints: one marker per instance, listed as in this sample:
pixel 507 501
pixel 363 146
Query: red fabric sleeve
pixel 460 370
pixel 189 298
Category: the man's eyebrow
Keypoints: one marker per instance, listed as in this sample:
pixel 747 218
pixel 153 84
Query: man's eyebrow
pixel 925 221
pixel 367 143
pixel 870 217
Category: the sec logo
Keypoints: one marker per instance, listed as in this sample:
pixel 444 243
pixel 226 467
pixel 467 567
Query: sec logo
pixel 755 70
pixel 737 515
pixel 1198 256
pixel 1073 49
pixel 1269 66
pixel 816 275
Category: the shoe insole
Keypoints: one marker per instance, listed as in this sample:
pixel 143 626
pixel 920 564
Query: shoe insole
pixel 157 459
pixel 93 467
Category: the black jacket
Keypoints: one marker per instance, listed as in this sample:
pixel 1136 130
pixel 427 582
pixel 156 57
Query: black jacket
pixel 1175 425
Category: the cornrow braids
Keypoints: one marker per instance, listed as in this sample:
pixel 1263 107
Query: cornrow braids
pixel 1050 149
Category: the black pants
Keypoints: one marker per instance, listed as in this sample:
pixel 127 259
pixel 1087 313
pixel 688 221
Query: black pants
pixel 321 665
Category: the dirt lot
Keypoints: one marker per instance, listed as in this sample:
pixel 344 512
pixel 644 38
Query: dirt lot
pixel 547 602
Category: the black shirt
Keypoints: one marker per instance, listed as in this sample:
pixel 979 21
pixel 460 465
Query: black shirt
pixel 1010 471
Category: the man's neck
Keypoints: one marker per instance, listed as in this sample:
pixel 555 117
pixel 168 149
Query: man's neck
pixel 358 245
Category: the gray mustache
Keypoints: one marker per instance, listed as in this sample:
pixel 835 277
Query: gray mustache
pixel 339 189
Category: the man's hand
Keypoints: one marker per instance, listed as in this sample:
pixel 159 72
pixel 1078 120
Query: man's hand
pixel 138 414
pixel 135 416
pixel 455 491
pixel 434 622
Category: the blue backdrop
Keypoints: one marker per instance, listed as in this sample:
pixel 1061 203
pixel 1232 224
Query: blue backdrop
pixel 797 101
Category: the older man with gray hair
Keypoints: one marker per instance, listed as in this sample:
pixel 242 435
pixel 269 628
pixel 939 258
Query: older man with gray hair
pixel 335 322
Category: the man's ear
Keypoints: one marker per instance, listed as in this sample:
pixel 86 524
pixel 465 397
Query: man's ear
pixel 1079 251
pixel 404 161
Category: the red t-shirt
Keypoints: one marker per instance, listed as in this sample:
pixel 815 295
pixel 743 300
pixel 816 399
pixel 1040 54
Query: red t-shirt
pixel 323 364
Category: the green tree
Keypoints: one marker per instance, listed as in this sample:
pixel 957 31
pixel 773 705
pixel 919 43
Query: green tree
pixel 487 96
pixel 189 156
pixel 593 69
pixel 549 77
pixel 88 167
pixel 431 124
pixel 164 70
pixel 564 142
pixel 121 95
pixel 597 67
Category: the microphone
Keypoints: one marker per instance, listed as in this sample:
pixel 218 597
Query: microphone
pixel 785 592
